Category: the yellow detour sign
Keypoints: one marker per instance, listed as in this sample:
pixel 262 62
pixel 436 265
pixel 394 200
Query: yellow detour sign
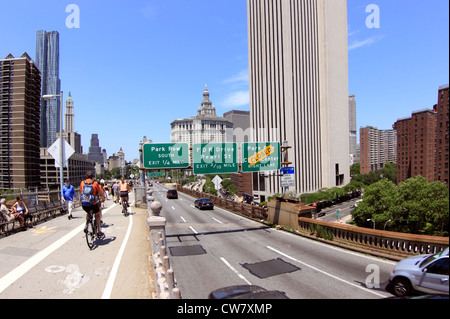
pixel 261 155
pixel 258 157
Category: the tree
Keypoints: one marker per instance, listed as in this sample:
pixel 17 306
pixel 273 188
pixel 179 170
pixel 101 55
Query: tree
pixel 377 204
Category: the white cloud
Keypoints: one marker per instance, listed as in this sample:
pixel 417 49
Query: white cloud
pixel 367 42
pixel 240 78
pixel 148 12
pixel 237 99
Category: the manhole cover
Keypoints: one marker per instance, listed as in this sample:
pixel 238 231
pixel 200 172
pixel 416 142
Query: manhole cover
pixel 270 268
pixel 180 251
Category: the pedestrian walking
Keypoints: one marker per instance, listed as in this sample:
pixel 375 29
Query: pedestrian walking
pixel 68 197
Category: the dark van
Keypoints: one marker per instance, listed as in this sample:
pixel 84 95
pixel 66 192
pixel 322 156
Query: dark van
pixel 172 193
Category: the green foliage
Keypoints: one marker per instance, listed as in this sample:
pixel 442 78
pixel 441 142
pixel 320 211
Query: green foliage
pixel 229 186
pixel 321 231
pixel 415 206
pixel 389 171
pixel 209 186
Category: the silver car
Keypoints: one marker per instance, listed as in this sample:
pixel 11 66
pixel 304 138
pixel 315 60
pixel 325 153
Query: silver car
pixel 424 273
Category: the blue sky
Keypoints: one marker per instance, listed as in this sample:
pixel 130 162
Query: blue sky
pixel 135 66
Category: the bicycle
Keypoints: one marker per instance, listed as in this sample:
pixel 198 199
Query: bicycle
pixel 91 231
pixel 125 206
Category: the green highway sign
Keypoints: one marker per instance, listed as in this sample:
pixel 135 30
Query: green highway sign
pixel 262 156
pixel 215 158
pixel 166 155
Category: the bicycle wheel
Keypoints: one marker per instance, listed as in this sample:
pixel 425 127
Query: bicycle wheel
pixel 90 233
pixel 125 208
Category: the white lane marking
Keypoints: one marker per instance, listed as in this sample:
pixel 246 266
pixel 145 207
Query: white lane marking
pixel 173 208
pixel 235 271
pixel 192 206
pixel 193 229
pixel 335 248
pixel 184 220
pixel 217 220
pixel 22 269
pixel 112 276
pixel 325 273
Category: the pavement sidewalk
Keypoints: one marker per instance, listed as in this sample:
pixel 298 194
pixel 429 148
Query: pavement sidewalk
pixel 135 279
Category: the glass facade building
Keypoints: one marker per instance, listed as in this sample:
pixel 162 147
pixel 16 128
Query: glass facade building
pixel 47 60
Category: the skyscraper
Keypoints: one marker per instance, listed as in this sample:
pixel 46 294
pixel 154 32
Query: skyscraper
pixel 95 151
pixel 377 148
pixel 298 74
pixel 47 60
pixel 352 128
pixel 20 82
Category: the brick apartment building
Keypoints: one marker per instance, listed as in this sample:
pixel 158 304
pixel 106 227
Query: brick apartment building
pixel 377 147
pixel 20 85
pixel 422 142
pixel 442 132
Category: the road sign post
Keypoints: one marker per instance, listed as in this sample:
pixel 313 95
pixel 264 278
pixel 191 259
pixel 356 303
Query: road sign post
pixel 215 158
pixel 166 155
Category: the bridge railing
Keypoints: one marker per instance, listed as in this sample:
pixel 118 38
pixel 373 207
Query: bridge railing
pixel 389 243
pixel 378 242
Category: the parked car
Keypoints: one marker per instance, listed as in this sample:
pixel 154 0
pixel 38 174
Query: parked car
pixel 424 273
pixel 202 203
pixel 172 193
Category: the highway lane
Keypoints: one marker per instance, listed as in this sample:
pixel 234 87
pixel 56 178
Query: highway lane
pixel 53 261
pixel 213 249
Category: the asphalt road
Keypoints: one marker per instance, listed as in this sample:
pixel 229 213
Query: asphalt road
pixel 330 213
pixel 213 249
pixel 53 261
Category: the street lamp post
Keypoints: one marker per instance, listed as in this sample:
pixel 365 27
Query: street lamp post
pixel 61 139
pixel 372 221
pixel 386 224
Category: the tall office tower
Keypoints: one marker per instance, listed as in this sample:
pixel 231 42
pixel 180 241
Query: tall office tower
pixel 298 74
pixel 20 85
pixel 352 128
pixel 416 145
pixel 442 133
pixel 377 148
pixel 47 60
pixel 95 151
pixel 69 134
pixel 69 115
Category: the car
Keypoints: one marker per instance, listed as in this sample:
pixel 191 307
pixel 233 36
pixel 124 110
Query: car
pixel 172 193
pixel 202 203
pixel 423 273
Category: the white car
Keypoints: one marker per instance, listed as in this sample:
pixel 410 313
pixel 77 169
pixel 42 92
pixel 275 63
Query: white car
pixel 424 273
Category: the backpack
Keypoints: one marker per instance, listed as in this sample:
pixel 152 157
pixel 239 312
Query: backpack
pixel 87 196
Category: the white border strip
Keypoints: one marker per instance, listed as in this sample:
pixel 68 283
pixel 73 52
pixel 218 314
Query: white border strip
pixel 112 277
pixel 21 270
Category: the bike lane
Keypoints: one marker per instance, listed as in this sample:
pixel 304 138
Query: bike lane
pixel 53 260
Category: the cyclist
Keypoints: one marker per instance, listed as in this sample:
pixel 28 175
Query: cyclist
pixel 98 194
pixel 124 188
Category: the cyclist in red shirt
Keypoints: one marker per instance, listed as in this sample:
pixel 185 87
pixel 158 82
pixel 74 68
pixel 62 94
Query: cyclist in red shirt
pixel 99 197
